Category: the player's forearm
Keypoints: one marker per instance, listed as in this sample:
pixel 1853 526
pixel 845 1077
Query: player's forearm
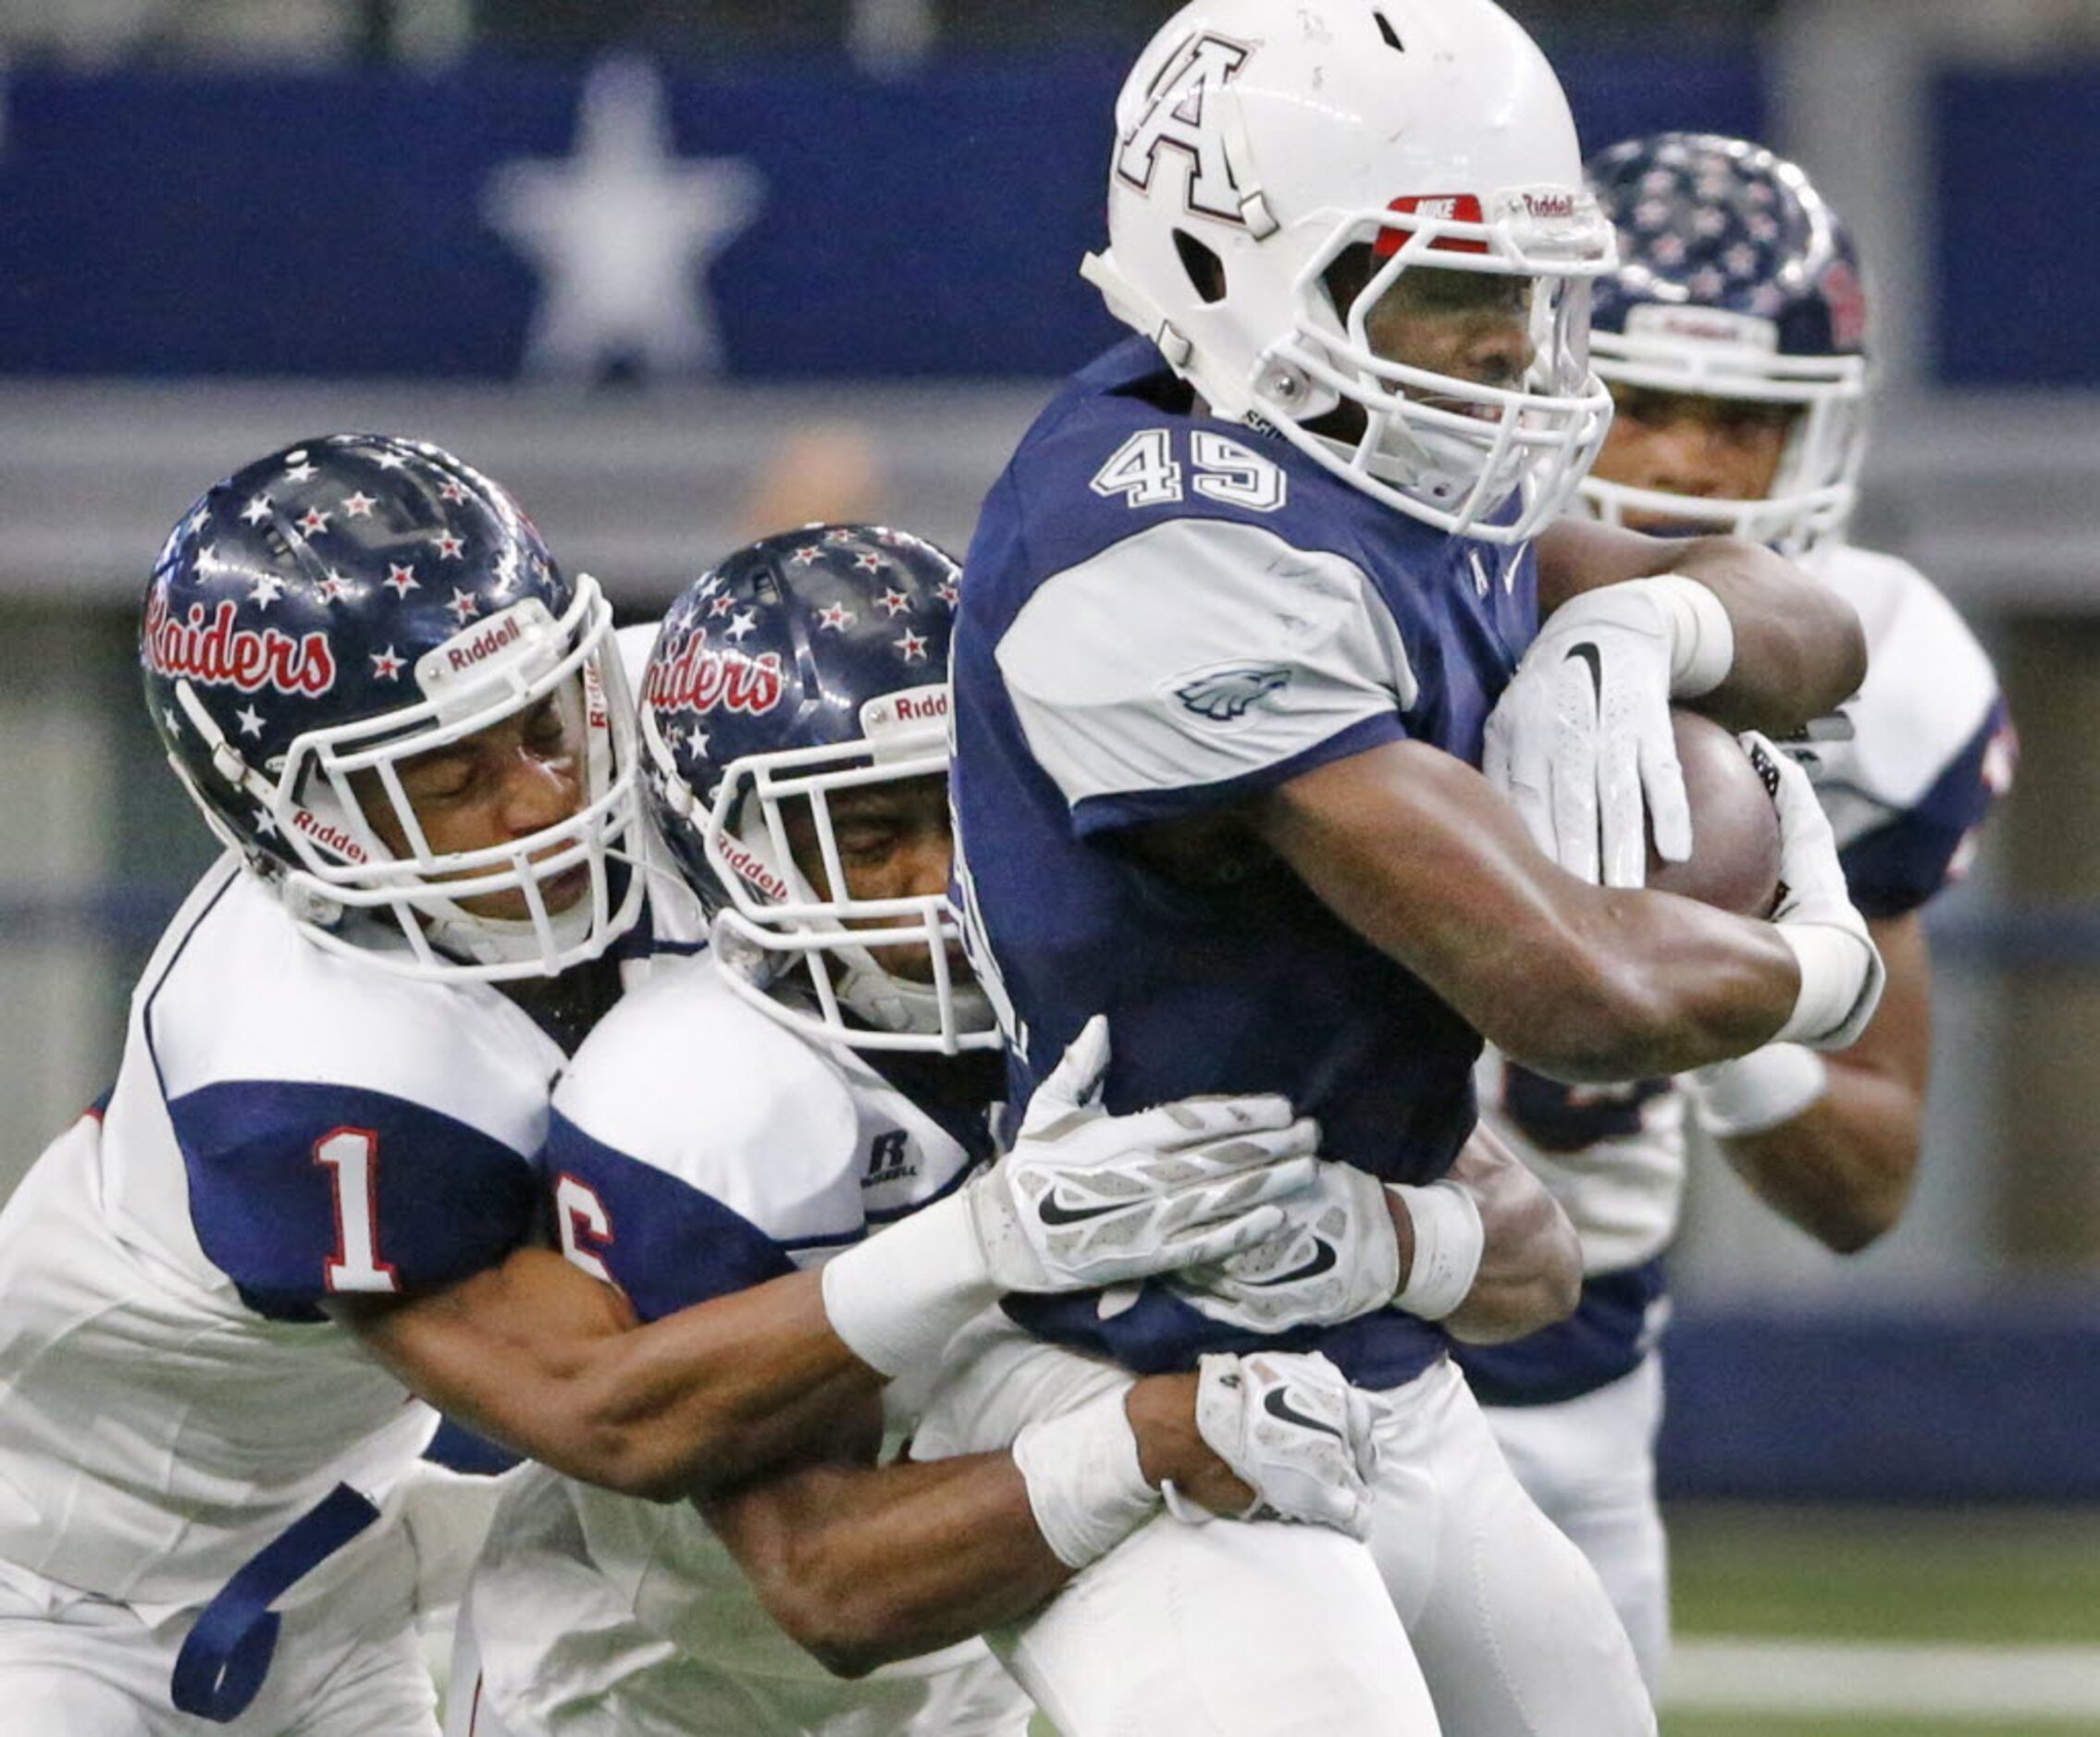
pixel 1415 852
pixel 1842 1169
pixel 863 1565
pixel 1530 1274
pixel 1799 648
pixel 542 1358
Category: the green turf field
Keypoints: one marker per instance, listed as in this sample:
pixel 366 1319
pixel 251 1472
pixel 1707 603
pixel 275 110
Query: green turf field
pixel 1973 1576
pixel 1939 1580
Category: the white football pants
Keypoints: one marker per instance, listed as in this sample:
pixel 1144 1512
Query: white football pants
pixel 1589 1464
pixel 548 1645
pixel 347 1662
pixel 1467 1614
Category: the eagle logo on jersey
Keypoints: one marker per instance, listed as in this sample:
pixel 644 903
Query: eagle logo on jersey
pixel 1174 114
pixel 1224 695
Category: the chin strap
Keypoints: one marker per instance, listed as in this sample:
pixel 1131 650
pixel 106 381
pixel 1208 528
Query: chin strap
pixel 502 940
pixel 894 1003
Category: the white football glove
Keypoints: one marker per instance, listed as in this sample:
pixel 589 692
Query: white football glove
pixel 1581 740
pixel 1842 973
pixel 1293 1429
pixel 1085 1199
pixel 1336 1258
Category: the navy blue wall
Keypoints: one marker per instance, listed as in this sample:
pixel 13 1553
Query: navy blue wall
pixel 333 224
pixel 2018 189
pixel 1996 1402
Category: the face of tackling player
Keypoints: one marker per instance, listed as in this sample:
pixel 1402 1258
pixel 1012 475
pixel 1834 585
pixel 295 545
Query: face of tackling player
pixel 520 775
pixel 1694 445
pixel 894 841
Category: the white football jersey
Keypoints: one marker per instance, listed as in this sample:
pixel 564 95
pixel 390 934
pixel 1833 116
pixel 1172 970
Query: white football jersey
pixel 288 1123
pixel 699 1148
pixel 1930 749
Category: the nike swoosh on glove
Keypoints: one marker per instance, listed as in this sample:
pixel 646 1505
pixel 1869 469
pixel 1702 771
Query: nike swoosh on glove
pixel 1295 1431
pixel 1086 1198
pixel 1334 1258
pixel 1581 740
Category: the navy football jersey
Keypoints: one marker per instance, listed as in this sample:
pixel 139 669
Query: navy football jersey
pixel 1163 615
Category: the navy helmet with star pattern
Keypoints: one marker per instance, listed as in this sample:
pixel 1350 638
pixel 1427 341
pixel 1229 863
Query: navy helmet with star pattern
pixel 802 667
pixel 333 610
pixel 1735 281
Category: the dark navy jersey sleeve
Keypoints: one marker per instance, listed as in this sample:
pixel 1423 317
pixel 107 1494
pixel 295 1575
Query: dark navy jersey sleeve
pixel 299 1192
pixel 1894 867
pixel 666 1243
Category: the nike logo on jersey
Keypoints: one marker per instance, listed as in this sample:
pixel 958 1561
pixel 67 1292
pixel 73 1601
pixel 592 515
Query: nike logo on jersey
pixel 1321 1259
pixel 1276 1403
pixel 1590 655
pixel 1054 1213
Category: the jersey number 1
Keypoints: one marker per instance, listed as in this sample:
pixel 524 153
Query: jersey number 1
pixel 353 1154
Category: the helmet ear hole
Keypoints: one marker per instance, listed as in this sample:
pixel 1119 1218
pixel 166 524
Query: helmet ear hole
pixel 1391 36
pixel 1206 270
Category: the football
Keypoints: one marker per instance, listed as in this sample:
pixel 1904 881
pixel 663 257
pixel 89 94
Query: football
pixel 1734 859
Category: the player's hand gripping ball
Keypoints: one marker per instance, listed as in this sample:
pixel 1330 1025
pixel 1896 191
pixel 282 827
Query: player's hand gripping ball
pixel 1735 842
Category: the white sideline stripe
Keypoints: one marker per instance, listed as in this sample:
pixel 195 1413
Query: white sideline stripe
pixel 1726 1674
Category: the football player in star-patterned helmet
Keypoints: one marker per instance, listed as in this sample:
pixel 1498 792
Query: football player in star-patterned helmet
pixel 795 716
pixel 344 645
pixel 1732 335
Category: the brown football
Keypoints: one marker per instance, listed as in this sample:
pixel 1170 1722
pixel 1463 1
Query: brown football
pixel 1734 860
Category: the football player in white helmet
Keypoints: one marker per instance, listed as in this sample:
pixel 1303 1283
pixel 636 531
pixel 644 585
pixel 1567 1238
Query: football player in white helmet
pixel 1231 626
pixel 1733 335
pixel 1411 318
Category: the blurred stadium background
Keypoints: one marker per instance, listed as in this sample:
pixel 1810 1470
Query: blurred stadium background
pixel 681 270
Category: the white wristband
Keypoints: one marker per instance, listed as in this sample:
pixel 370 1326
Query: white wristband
pixel 1449 1241
pixel 1833 1004
pixel 1085 1486
pixel 898 1297
pixel 1703 638
pixel 1759 1090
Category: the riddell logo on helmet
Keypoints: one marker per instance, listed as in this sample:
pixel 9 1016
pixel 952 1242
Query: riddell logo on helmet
pixel 704 680
pixel 749 865
pixel 485 644
pixel 219 654
pixel 912 710
pixel 1701 326
pixel 921 708
pixel 328 835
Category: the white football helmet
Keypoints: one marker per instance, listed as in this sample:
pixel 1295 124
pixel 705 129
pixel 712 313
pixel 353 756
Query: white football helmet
pixel 1257 143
